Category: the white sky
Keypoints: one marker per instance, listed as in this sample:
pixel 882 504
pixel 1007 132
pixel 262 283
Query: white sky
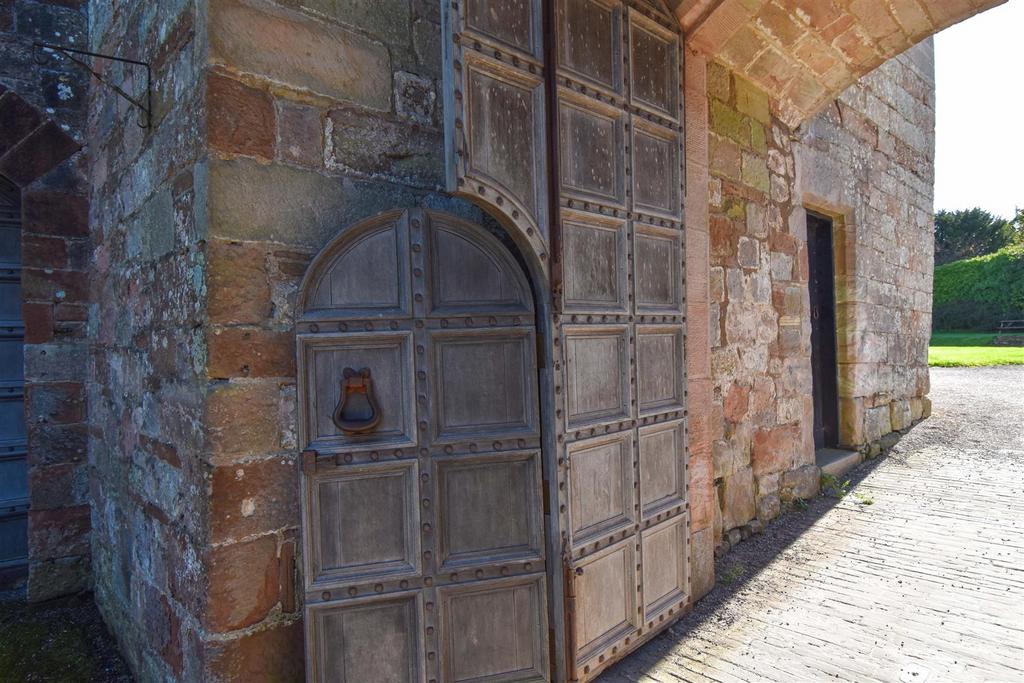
pixel 979 129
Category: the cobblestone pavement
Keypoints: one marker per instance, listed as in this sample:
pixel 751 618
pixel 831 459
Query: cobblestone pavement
pixel 917 575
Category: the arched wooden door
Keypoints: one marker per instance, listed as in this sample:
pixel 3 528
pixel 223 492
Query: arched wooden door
pixel 423 516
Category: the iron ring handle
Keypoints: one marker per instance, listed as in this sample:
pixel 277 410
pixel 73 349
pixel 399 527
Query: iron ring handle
pixel 352 383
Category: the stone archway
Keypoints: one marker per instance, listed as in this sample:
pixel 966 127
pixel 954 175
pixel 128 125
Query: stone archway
pixel 804 53
pixel 40 159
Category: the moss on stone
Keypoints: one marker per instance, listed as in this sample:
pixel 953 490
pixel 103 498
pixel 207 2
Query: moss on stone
pixel 57 641
pixel 729 123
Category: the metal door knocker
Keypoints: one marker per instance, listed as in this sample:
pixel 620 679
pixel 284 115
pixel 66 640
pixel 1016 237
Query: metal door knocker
pixel 357 411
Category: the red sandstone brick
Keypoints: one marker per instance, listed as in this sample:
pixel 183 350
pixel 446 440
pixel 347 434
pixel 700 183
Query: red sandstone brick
pixel 241 419
pixel 37 154
pixel 18 118
pixel 44 252
pixel 61 532
pixel 254 497
pixel 774 449
pixel 250 352
pixel 241 120
pixel 54 285
pixel 55 213
pixel 61 403
pixel 38 319
pixel 243 583
pixel 736 401
pixel 160 450
pixel 57 486
pixel 300 130
pixel 274 654
pixel 237 286
pixel 780 24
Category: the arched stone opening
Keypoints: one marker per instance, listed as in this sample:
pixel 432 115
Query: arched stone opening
pixel 805 53
pixel 39 162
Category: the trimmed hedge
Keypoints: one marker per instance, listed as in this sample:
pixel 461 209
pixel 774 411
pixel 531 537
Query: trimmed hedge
pixel 976 293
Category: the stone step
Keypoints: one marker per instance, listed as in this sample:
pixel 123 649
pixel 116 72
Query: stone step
pixel 836 461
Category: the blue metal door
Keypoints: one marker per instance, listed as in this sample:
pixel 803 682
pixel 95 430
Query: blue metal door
pixel 13 469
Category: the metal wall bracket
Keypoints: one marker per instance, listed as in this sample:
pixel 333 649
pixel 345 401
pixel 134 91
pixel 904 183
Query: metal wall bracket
pixel 75 55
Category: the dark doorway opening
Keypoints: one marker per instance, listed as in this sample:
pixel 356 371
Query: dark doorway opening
pixel 821 281
pixel 13 470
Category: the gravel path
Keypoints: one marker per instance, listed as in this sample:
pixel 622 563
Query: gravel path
pixel 923 584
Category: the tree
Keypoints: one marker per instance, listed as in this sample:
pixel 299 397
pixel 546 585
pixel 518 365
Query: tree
pixel 969 232
pixel 1017 227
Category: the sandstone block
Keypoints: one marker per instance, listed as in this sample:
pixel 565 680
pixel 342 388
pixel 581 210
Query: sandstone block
pixel 241 419
pixel 775 448
pixel 702 563
pixel 768 507
pixel 300 130
pixel 274 654
pixel 415 98
pixel 369 144
pixel 250 352
pixel 754 171
pixel 738 499
pixel 748 253
pixel 250 201
pixel 240 119
pixel 260 38
pixel 243 583
pixel 237 285
pixel 60 532
pixel 254 497
pixel 54 578
pixel 802 482
pixel 900 414
pixel 877 422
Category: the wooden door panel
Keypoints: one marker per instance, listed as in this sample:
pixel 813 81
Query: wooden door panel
pixel 502 406
pixel 589 41
pixel 353 536
pixel 654 66
pixel 594 271
pixel 605 591
pixel 662 472
pixel 374 641
pixel 591 150
pixel 656 169
pixel 512 23
pixel 659 358
pixel 504 145
pixel 601 491
pixel 468 277
pixel 370 277
pixel 658 264
pixel 597 374
pixel 323 359
pixel 665 583
pixel 487 510
pixel 495 631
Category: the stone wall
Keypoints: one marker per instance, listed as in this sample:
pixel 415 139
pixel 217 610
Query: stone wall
pixel 42 122
pixel 147 381
pixel 879 139
pixel 866 161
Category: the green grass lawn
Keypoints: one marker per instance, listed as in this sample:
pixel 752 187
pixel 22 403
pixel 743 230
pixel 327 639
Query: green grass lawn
pixel 963 349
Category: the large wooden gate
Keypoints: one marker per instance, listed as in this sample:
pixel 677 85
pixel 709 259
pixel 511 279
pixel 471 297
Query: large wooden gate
pixel 564 117
pixel 423 515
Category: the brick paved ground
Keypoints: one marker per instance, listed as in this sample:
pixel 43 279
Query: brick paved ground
pixel 925 584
